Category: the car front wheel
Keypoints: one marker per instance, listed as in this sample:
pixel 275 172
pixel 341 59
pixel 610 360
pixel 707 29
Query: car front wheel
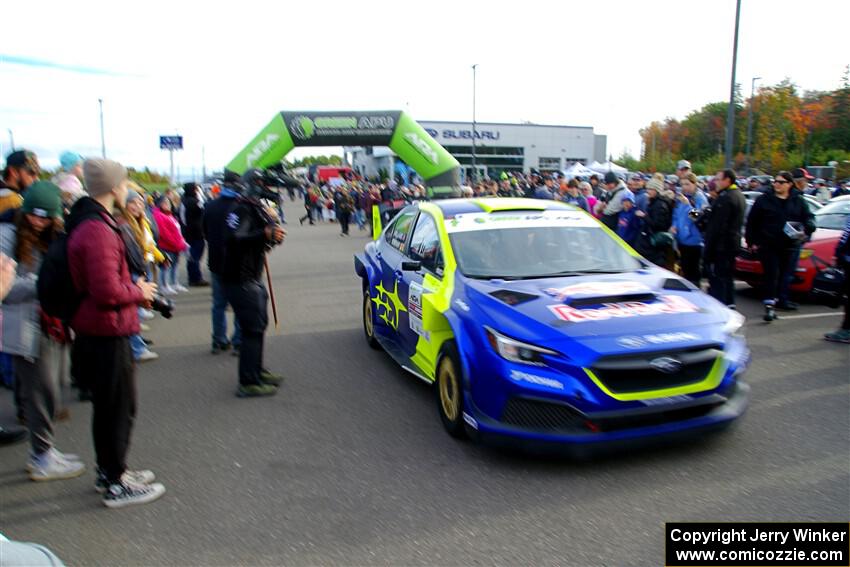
pixel 449 392
pixel 369 321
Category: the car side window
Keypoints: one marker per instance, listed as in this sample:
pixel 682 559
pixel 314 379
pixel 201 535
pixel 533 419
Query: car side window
pixel 425 244
pixel 397 235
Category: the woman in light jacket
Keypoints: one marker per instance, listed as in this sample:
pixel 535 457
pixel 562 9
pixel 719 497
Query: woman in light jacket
pixel 37 342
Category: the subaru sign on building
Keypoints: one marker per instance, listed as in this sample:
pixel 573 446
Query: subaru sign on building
pixel 498 147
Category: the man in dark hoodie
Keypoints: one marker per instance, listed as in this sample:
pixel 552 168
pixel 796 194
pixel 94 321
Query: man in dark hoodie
pixel 192 223
pixel 214 227
pixel 104 321
pixel 723 237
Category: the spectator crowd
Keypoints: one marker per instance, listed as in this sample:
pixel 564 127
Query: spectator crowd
pixel 121 249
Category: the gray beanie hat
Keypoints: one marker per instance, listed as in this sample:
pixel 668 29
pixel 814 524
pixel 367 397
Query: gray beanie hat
pixel 102 176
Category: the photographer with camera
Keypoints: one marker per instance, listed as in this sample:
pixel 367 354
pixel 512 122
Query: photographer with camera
pixel 777 226
pixel 251 231
pixel 105 319
pixel 690 204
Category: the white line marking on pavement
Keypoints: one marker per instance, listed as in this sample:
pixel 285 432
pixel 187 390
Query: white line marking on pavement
pixel 807 316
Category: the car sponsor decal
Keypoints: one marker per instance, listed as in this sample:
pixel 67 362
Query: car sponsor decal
pixel 666 304
pixel 414 310
pixel 389 305
pixel 467 222
pixel 518 376
pixel 597 288
pixel 638 341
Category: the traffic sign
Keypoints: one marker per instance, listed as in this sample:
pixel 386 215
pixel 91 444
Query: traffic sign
pixel 171 142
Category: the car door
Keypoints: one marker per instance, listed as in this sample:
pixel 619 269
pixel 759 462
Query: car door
pixel 423 249
pixel 388 290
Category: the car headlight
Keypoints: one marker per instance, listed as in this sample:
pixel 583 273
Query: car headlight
pixel 734 323
pixel 517 351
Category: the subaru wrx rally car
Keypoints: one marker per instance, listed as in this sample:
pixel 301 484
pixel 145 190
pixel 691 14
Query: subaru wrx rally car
pixel 539 327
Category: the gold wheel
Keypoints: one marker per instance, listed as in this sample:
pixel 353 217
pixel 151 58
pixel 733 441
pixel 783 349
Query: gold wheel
pixel 449 389
pixel 367 318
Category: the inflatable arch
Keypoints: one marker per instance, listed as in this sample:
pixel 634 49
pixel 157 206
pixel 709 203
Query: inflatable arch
pixel 395 129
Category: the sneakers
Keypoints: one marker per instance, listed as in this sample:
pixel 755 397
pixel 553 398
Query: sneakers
pixel 839 336
pixel 256 391
pixel 235 350
pixel 147 356
pixel 144 328
pixel 146 314
pixel 57 454
pixel 220 347
pixel 270 378
pixel 142 477
pixel 769 313
pixel 167 290
pixel 128 494
pixel 53 465
pixel 180 288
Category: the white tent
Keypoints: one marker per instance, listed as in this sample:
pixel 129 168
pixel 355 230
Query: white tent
pixel 578 170
pixel 607 166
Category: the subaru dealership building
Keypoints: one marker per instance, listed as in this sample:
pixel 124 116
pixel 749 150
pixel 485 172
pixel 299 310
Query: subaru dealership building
pixel 498 147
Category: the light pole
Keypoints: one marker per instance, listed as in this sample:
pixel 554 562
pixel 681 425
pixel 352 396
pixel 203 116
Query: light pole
pixel 102 139
pixel 474 169
pixel 730 115
pixel 11 139
pixel 750 119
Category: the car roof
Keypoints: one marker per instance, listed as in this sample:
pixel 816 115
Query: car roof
pixel 452 207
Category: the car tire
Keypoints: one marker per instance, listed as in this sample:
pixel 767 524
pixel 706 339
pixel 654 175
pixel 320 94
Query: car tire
pixel 448 387
pixel 369 321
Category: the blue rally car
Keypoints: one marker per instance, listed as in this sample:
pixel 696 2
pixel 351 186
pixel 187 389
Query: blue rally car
pixel 540 327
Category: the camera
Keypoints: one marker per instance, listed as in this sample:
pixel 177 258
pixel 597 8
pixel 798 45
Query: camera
pixel 700 217
pixel 163 306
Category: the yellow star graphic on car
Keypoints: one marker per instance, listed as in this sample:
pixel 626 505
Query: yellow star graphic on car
pixel 385 299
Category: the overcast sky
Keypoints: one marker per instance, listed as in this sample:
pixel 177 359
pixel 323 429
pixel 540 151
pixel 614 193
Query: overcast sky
pixel 217 72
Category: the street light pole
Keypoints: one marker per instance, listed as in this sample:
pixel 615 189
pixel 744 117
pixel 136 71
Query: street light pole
pixel 11 139
pixel 730 115
pixel 102 139
pixel 474 168
pixel 750 119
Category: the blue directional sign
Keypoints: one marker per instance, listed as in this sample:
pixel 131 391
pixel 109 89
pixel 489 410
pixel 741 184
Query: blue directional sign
pixel 171 142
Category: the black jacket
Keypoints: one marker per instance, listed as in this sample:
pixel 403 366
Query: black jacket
pixel 214 230
pixel 723 231
pixel 193 218
pixel 244 244
pixel 768 216
pixel 659 215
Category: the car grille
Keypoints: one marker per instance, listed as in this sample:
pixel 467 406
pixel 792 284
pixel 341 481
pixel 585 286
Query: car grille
pixel 542 416
pixel 624 375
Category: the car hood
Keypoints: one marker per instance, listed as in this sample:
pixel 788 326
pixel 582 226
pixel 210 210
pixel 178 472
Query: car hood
pixel 589 316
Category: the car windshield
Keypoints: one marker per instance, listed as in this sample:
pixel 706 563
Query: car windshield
pixel 833 215
pixel 539 251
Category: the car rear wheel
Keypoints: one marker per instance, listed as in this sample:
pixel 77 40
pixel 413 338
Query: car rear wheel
pixel 369 321
pixel 449 392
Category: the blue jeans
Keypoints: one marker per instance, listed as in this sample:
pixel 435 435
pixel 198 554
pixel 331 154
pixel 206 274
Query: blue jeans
pixel 791 271
pixel 168 276
pixel 219 315
pixel 138 346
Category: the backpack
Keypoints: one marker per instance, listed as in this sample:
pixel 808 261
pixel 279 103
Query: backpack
pixel 56 292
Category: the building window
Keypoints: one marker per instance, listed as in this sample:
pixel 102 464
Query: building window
pixel 549 163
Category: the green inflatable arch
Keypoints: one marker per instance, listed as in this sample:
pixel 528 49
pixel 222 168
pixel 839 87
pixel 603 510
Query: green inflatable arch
pixel 395 129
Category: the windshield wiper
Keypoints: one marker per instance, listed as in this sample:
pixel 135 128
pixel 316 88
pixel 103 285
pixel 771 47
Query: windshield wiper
pixel 571 273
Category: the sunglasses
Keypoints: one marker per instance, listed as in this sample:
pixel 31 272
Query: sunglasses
pixel 781 181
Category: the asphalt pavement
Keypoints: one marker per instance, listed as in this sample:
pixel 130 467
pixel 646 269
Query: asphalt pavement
pixel 349 463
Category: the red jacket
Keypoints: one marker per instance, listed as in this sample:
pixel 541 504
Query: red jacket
pixel 170 237
pixel 98 265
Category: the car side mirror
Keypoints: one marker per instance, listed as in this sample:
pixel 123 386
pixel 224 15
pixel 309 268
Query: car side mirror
pixel 411 266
